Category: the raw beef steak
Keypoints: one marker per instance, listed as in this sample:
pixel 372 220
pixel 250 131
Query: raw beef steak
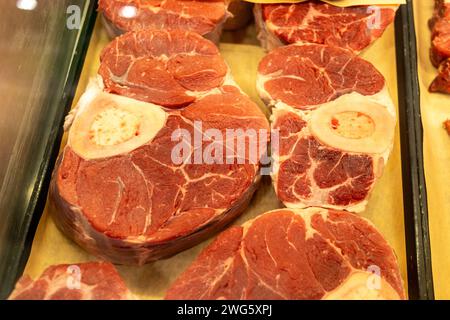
pixel 336 123
pixel 168 68
pixel 294 254
pixel 84 281
pixel 353 28
pixel 138 182
pixel 205 17
pixel 440 47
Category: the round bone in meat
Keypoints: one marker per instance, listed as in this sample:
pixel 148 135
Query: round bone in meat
pixel 151 198
pixel 84 281
pixel 294 254
pixel 336 124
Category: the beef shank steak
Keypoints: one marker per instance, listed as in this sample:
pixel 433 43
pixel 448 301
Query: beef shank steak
pixel 292 254
pixel 139 182
pixel 353 28
pixel 205 17
pixel 84 281
pixel 335 121
pixel 168 68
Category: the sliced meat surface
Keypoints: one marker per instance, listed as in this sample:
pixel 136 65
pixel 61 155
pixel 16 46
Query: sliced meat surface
pixel 353 28
pixel 299 81
pixel 143 205
pixel 311 173
pixel 200 16
pixel 168 68
pixel 294 254
pixel 84 281
pixel 304 76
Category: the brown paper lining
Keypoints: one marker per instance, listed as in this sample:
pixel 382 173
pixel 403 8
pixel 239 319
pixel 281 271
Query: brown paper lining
pixel 385 207
pixel 435 109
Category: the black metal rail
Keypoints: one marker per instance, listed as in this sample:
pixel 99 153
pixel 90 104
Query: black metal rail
pixel 420 276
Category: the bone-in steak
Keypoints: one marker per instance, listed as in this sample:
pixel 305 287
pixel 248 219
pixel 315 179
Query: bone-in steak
pixel 205 17
pixel 85 281
pixel 127 190
pixel 336 125
pixel 168 68
pixel 294 254
pixel 353 28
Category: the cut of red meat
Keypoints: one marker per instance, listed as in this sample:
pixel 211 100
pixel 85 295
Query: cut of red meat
pixel 442 81
pixel 353 28
pixel 313 172
pixel 204 17
pixel 299 81
pixel 84 281
pixel 294 254
pixel 440 46
pixel 168 68
pixel 139 204
pixel 304 76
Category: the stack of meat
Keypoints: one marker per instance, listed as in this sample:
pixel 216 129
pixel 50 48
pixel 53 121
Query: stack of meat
pixel 203 17
pixel 440 47
pixel 146 173
pixel 150 168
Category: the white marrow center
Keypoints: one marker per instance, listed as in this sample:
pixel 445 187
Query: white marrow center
pixel 110 125
pixel 354 124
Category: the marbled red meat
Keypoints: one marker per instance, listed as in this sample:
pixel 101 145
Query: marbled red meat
pixel 293 254
pixel 353 28
pixel 298 81
pixel 304 76
pixel 314 171
pixel 168 68
pixel 204 17
pixel 141 205
pixel 84 281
